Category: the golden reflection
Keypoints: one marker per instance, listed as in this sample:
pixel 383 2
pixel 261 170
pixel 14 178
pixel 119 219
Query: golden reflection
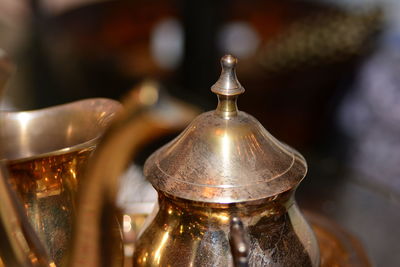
pixel 222 217
pixel 127 223
pixel 23 121
pixel 23 118
pixel 226 153
pixel 69 131
pixel 157 255
pixel 197 232
pixel 47 186
pixel 226 150
pixel 149 92
pixel 73 173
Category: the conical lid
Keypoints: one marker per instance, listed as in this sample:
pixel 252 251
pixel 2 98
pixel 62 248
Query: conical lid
pixel 225 155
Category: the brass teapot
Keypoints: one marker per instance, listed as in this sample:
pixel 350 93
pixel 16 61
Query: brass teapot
pixel 226 165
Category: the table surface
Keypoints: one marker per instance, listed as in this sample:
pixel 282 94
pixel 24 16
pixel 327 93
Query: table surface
pixel 369 213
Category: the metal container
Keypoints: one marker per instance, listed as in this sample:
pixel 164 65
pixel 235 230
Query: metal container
pixel 226 165
pixel 46 152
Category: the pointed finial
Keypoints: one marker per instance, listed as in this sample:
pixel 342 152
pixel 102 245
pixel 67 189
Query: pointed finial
pixel 228 84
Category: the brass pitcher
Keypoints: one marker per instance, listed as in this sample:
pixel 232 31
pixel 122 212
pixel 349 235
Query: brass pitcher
pixel 46 152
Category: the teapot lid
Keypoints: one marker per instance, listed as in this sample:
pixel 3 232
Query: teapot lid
pixel 225 155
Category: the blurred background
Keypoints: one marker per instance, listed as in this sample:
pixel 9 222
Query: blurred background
pixel 321 75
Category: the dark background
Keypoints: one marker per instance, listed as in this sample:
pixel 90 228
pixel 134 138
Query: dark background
pixel 298 61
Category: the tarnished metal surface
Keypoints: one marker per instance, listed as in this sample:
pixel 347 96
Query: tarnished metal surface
pixel 187 233
pixel 48 187
pixel 19 244
pixel 46 152
pixel 226 155
pixel 55 130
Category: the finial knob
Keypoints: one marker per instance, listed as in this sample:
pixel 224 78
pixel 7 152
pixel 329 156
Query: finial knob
pixel 228 84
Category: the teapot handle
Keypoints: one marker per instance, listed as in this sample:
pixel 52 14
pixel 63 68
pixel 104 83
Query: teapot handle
pixel 239 243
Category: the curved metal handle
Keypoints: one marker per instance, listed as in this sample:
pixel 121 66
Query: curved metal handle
pixel 239 243
pixel 145 117
pixel 99 188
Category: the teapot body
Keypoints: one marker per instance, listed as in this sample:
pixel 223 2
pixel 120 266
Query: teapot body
pixel 189 233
